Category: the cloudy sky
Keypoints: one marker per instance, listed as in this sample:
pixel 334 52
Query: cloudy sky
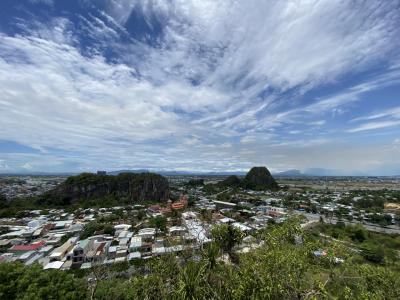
pixel 200 85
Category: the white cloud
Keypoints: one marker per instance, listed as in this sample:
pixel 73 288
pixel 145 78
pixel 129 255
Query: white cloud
pixel 318 123
pixel 27 166
pixel 375 125
pixel 200 86
pixel 279 44
pixel 393 112
pixel 4 166
pixel 46 2
pixel 121 10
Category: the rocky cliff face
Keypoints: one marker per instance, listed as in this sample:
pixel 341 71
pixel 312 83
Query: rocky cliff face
pixel 130 187
pixel 259 178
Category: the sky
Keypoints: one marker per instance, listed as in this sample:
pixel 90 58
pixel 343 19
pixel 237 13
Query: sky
pixel 200 85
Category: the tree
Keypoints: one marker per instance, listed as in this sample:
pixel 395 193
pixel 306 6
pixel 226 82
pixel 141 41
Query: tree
pixel 159 222
pixel 373 253
pixel 94 226
pixel 227 237
pixel 3 201
pixel 191 282
pixel 141 214
pixel 19 282
pixel 191 201
pixel 358 233
pixel 210 254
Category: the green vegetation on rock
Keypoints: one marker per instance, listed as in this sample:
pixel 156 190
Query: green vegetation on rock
pixel 259 178
pixel 97 189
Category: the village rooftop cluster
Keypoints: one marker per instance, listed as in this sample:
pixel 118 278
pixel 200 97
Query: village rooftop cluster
pixel 61 239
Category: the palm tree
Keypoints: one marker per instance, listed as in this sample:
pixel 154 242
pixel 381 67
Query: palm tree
pixel 191 283
pixel 210 254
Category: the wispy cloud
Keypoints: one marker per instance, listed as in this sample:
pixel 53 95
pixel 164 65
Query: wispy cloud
pixel 393 112
pixel 46 2
pixel 191 84
pixel 374 125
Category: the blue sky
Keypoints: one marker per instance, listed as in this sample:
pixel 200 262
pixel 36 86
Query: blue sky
pixel 200 85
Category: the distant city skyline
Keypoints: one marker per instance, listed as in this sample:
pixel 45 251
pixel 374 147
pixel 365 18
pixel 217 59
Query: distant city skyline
pixel 201 86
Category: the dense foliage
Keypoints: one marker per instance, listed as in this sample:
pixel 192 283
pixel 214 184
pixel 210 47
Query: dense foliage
pixel 283 267
pixel 20 282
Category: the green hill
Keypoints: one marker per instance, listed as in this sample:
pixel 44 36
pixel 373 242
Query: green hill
pixel 128 187
pixel 259 178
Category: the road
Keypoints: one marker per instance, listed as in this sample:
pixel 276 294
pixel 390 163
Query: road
pixel 370 227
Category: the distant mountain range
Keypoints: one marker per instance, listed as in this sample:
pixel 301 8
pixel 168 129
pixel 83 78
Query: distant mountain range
pixel 177 173
pixel 289 173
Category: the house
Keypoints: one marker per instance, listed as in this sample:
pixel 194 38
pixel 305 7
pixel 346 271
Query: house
pixel 154 209
pixel 123 242
pixel 146 249
pixel 53 265
pixel 62 224
pixel 124 234
pixel 179 205
pixel 66 265
pixel 196 230
pixel 97 250
pixel 121 252
pixel 112 252
pixel 134 255
pixel 24 257
pixel 34 258
pixel 78 254
pixel 26 248
pixel 158 247
pixel 46 249
pixel 35 223
pixel 7 257
pixel 187 215
pixel 121 228
pixel 177 231
pixel 147 234
pixel 135 244
pixel 60 252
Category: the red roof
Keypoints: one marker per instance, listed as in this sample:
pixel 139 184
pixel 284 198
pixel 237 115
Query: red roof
pixel 177 205
pixel 154 208
pixel 33 246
